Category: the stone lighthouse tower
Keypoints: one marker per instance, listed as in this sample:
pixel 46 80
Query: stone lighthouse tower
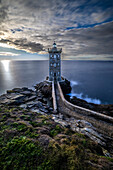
pixel 54 63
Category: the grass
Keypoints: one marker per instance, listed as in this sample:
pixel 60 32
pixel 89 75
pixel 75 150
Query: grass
pixel 20 153
pixel 55 131
pixel 21 149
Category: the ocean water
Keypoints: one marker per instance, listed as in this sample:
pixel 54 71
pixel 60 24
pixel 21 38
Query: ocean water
pixel 90 80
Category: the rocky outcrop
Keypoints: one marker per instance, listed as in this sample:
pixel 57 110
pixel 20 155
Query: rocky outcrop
pixel 80 126
pixel 106 109
pixel 37 100
pixel 45 88
pixel 66 88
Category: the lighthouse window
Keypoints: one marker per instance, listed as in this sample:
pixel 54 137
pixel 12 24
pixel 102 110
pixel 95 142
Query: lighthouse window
pixel 54 56
pixel 51 64
pixel 58 73
pixel 51 72
pixel 54 64
pixel 58 64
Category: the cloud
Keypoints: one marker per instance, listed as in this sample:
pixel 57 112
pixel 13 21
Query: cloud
pixel 80 27
pixel 8 54
pixel 22 44
pixel 4 45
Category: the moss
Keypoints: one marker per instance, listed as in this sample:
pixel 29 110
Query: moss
pixel 4 126
pixel 20 153
pixel 25 117
pixel 80 135
pixel 110 159
pixel 46 122
pixel 19 126
pixel 55 131
pixel 68 131
pixel 31 133
pixel 34 124
pixel 4 117
pixel 20 149
pixel 84 142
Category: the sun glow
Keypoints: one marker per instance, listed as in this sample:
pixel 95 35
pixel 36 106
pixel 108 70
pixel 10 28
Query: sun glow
pixel 5 64
pixel 6 45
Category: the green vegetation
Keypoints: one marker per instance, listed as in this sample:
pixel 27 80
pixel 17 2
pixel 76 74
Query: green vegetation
pixel 55 131
pixel 20 153
pixel 31 141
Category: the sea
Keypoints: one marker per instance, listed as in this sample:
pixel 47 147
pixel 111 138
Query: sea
pixel 90 80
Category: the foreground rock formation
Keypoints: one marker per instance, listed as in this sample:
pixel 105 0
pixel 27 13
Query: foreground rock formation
pixel 30 140
pixel 41 139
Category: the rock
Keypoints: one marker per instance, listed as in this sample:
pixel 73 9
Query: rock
pixel 91 131
pixel 74 127
pixel 24 106
pixel 37 111
pixel 101 108
pixel 94 165
pixel 15 90
pixel 42 130
pixel 80 126
pixel 60 116
pixel 50 109
pixel 62 138
pixel 63 123
pixel 45 100
pixel 3 97
pixel 31 102
pixel 30 106
pixel 84 123
pixel 5 101
pixel 26 89
pixel 39 104
pixel 27 93
pixel 106 153
pixel 45 88
pixel 43 110
pixel 18 97
pixel 11 102
pixel 44 140
pixel 27 99
pixel 66 88
pixel 40 99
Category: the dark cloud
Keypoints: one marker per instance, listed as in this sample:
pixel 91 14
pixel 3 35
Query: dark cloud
pixel 3 12
pixel 80 26
pixel 23 44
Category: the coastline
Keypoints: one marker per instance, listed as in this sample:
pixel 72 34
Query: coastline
pixel 24 108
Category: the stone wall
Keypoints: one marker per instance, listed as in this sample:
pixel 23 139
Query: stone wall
pixel 54 97
pixel 82 110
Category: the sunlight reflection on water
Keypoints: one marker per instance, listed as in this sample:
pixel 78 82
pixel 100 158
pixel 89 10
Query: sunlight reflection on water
pixel 7 76
pixel 6 64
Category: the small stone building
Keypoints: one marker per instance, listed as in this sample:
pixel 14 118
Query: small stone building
pixel 54 63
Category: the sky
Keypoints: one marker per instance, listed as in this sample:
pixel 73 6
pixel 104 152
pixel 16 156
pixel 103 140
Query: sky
pixel 82 28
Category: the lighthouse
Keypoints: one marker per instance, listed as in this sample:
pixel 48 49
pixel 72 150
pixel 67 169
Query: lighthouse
pixel 54 63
